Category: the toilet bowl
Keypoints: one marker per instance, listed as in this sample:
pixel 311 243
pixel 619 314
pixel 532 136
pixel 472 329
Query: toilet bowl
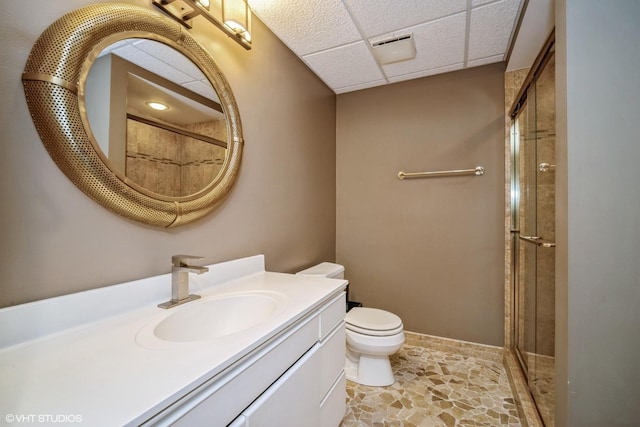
pixel 372 336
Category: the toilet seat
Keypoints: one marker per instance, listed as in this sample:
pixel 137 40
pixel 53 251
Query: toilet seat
pixel 373 322
pixel 374 332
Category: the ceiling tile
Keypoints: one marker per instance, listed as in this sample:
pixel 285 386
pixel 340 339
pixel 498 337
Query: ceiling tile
pixel 439 43
pixel 203 89
pixel 476 3
pixel 425 73
pixel 333 36
pixel 485 61
pixel 345 66
pixel 491 28
pixel 360 86
pixel 171 56
pixel 165 62
pixel 307 26
pixel 387 16
pixel 144 60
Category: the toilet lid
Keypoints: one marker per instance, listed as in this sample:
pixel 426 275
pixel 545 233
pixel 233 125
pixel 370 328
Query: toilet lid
pixel 373 321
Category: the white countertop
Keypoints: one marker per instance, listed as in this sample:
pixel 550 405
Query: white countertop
pixel 92 369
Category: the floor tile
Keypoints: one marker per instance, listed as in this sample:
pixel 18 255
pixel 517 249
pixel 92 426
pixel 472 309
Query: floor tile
pixel 435 388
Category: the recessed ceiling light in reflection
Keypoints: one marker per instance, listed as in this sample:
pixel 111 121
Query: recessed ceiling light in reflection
pixel 159 106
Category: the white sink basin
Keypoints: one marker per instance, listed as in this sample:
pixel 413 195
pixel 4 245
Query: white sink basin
pixel 213 317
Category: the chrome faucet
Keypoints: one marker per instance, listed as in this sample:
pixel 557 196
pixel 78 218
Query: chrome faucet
pixel 180 279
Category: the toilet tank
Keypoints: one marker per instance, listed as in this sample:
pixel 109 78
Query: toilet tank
pixel 324 269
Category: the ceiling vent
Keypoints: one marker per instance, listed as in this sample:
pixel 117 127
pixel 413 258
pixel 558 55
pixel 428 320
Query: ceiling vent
pixel 394 50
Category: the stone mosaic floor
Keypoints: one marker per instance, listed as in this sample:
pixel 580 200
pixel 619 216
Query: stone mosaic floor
pixel 435 388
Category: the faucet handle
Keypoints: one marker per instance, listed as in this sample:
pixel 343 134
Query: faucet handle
pixel 184 260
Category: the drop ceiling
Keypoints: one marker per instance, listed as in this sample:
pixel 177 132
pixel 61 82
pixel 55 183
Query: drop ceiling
pixel 334 37
pixel 173 66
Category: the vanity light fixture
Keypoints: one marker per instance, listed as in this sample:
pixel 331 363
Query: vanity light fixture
pixel 233 17
pixel 159 106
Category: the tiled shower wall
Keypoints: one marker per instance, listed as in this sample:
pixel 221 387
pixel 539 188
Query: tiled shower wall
pixel 170 164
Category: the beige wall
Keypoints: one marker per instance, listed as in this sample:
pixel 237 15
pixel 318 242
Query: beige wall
pixel 55 240
pixel 430 250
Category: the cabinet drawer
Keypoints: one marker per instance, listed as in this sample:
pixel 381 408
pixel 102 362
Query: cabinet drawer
pixel 292 401
pixel 333 357
pixel 334 405
pixel 333 314
pixel 241 421
pixel 220 402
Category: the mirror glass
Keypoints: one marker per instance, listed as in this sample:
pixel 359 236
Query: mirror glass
pixel 156 118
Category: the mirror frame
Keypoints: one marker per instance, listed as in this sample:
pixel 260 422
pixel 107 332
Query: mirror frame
pixel 54 78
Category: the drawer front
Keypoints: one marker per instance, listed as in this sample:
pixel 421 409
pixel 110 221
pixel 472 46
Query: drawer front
pixel 334 405
pixel 220 403
pixel 241 421
pixel 293 400
pixel 333 314
pixel 333 357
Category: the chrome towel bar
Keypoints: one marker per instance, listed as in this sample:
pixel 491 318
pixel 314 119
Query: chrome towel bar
pixel 478 171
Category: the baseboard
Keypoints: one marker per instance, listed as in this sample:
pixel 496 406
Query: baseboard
pixel 465 348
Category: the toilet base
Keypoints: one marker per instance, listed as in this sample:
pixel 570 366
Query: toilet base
pixel 369 370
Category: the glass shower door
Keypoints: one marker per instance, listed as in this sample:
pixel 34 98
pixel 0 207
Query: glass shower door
pixel 533 186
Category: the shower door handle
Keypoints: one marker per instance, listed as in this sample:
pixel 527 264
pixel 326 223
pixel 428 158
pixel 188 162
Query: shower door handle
pixel 546 167
pixel 539 241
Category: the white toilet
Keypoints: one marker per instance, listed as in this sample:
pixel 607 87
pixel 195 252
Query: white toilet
pixel 372 336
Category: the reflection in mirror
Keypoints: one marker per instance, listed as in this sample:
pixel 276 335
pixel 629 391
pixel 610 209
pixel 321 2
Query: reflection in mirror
pixel 156 117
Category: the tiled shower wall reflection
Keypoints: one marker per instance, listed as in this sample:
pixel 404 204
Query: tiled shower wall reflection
pixel 170 164
pixel 544 133
pixel 534 318
pixel 541 356
pixel 546 142
pixel 513 81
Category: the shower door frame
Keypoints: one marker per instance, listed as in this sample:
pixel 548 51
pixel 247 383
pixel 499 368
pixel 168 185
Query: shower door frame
pixel 521 102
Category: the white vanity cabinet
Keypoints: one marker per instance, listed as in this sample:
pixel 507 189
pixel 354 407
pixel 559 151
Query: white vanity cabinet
pixel 332 355
pixel 332 378
pixel 291 401
pixel 98 354
pixel 295 380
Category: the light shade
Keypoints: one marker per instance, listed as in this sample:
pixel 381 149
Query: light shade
pixel 237 17
pixel 231 16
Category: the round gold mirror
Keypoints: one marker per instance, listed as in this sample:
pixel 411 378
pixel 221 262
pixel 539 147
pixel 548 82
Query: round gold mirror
pixel 91 82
